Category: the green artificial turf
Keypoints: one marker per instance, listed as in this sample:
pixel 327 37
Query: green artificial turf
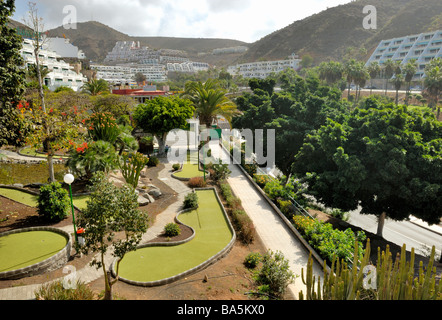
pixel 31 200
pixel 19 196
pixel 190 168
pixel 157 263
pixel 24 249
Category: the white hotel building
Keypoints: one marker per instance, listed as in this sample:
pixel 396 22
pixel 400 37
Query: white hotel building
pixel 421 47
pixel 61 73
pixel 125 74
pixel 263 69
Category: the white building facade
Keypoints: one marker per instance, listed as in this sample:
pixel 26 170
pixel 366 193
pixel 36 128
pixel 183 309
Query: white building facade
pixel 125 74
pixel 263 69
pixel 422 47
pixel 61 73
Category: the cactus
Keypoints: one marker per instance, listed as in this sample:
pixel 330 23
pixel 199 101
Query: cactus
pixel 394 281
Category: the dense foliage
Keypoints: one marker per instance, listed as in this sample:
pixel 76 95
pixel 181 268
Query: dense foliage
pixel 53 202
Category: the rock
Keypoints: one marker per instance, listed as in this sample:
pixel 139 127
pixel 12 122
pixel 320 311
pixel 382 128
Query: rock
pixel 142 201
pixel 18 185
pixel 155 193
pixel 149 197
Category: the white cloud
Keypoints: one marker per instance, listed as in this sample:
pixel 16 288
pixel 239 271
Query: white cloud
pixel 246 20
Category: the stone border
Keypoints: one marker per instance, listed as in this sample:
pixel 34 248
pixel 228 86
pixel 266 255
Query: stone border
pixel 196 269
pixel 284 219
pixel 50 264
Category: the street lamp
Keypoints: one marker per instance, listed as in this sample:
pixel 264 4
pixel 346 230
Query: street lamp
pixel 69 179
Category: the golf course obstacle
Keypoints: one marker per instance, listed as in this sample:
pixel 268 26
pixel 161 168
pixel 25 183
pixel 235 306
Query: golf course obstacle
pixel 31 251
pixel 157 264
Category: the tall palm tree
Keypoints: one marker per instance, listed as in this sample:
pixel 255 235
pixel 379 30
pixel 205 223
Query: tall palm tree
pixel 409 71
pixel 209 100
pixel 389 68
pixel 398 80
pixel 374 69
pixel 433 82
pixel 349 71
pixel 361 76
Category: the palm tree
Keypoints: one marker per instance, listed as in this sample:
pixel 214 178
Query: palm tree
pixel 95 87
pixel 433 82
pixel 331 71
pixel 389 68
pixel 398 81
pixel 409 71
pixel 209 100
pixel 349 71
pixel 361 76
pixel 374 69
pixel 33 74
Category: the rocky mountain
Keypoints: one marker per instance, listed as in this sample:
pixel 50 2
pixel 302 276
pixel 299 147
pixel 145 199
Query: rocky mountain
pixel 328 34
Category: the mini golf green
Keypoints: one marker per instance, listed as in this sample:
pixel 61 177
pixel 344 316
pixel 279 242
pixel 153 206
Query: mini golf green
pixel 190 168
pixel 20 250
pixel 212 235
pixel 31 200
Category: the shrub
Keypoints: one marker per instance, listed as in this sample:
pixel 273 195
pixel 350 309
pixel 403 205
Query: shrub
pixel 191 201
pixel 56 291
pixel 244 226
pixel 176 167
pixel 329 242
pixel 153 162
pixel 53 202
pixel 103 126
pixel 261 180
pixel 220 171
pixel 252 260
pixel 172 230
pixel 274 275
pixel 197 182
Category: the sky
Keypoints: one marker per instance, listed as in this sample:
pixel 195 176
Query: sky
pixel 244 20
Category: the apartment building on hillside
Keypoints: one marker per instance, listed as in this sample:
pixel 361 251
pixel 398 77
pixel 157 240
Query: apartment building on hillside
pixel 61 73
pixel 125 74
pixel 263 69
pixel 421 47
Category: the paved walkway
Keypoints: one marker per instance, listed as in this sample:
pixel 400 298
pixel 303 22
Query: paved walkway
pixel 274 233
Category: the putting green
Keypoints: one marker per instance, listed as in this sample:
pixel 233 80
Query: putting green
pixel 212 235
pixel 190 168
pixel 20 250
pixel 31 200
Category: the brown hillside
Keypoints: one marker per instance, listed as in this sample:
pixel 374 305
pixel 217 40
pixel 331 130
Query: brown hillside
pixel 328 34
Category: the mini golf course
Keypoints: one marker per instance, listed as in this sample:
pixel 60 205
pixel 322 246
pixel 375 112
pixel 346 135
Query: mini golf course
pixel 159 264
pixel 190 168
pixel 31 200
pixel 28 248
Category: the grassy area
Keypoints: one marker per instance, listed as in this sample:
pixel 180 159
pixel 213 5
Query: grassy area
pixel 212 235
pixel 190 168
pixel 21 250
pixel 30 151
pixel 31 200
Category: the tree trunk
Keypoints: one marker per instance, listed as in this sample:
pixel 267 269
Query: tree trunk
pixel 381 222
pixel 108 291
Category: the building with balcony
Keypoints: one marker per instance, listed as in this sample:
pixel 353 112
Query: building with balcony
pixel 263 69
pixel 61 73
pixel 422 48
pixel 125 74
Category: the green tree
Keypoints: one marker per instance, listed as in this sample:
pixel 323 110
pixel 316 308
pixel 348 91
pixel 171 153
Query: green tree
pixel 13 126
pixel 209 100
pixel 398 80
pixel 388 69
pixel 433 83
pixel 96 87
pixel 162 115
pixel 409 71
pixel 374 70
pixel 111 210
pixel 383 158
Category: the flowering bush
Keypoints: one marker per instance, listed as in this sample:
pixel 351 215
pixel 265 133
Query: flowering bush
pixel 102 126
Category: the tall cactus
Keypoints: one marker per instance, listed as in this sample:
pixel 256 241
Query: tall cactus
pixel 394 281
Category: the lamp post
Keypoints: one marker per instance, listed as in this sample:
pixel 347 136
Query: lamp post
pixel 69 179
